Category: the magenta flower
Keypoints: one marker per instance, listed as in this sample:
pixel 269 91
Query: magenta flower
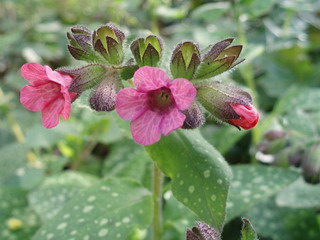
pixel 48 93
pixel 249 116
pixel 154 107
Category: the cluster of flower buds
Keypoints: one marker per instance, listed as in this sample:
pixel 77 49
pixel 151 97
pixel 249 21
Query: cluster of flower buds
pixel 277 149
pixel 181 102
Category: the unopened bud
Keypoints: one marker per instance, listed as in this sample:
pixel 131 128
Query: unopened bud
pixel 103 97
pixel 80 44
pixel 275 134
pixel 194 117
pixel 185 60
pixel 147 51
pixel 108 40
pixel 219 59
pixel 295 157
pixel 311 165
pixel 228 104
pixel 202 232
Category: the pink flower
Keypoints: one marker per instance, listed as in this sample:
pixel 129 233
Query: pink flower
pixel 249 116
pixel 48 93
pixel 154 106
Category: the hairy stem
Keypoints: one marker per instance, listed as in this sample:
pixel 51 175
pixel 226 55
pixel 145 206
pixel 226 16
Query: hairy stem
pixel 157 209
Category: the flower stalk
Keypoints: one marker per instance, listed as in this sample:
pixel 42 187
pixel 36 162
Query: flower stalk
pixel 157 181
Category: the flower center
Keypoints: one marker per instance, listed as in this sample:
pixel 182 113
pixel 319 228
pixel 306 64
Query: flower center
pixel 160 100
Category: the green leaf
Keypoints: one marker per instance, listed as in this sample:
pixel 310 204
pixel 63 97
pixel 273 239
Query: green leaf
pixel 210 11
pixel 13 156
pixel 26 177
pixel 127 159
pixel 257 8
pixel 56 191
pixel 284 223
pixel 216 135
pixel 299 195
pixel 39 136
pixel 253 184
pixel 111 209
pixel 247 232
pixel 177 217
pixel 17 220
pixel 200 176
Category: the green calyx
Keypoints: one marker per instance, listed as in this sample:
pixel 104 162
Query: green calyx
pixel 185 60
pixel 108 40
pixel 147 51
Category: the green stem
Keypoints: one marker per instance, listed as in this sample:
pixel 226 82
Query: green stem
pixel 157 209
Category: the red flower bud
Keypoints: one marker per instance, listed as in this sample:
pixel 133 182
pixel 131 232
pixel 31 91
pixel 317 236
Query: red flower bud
pixel 249 116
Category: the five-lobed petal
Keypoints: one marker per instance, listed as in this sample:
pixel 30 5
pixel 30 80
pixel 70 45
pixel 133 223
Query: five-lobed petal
pixel 154 106
pixel 48 93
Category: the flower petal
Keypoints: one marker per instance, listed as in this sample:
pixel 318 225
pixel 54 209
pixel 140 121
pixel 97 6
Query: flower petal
pixel 249 116
pixel 150 78
pixel 34 73
pixel 67 106
pixel 36 98
pixel 51 113
pixel 183 92
pixel 130 103
pixel 60 78
pixel 145 129
pixel 171 121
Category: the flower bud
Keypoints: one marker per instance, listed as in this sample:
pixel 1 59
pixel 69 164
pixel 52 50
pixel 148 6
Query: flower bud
pixel 274 135
pixel 108 40
pixel 103 97
pixel 80 44
pixel 194 117
pixel 249 116
pixel 148 51
pixel 228 104
pixel 85 77
pixel 202 232
pixel 185 60
pixel 295 158
pixel 311 165
pixel 219 59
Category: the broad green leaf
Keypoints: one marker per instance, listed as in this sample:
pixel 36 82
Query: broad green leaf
pixel 56 191
pixel 127 159
pixel 299 195
pixel 17 220
pixel 26 177
pixel 39 136
pixel 13 156
pixel 200 176
pixel 252 184
pixel 210 11
pixel 281 223
pixel 111 209
pixel 247 232
pixel 177 218
pixel 256 8
pixel 295 123
pixel 222 137
pixel 302 98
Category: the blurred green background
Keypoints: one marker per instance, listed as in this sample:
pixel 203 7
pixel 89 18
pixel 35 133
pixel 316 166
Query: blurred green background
pixel 281 41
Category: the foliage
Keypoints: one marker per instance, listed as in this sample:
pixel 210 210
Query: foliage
pixel 87 179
